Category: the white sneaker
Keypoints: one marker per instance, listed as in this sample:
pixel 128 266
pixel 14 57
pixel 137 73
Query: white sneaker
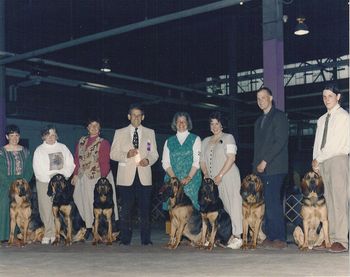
pixel 45 240
pixel 235 243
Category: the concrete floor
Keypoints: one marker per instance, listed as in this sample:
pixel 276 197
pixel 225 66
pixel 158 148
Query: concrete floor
pixel 83 259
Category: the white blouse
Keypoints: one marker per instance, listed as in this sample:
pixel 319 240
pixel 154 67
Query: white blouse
pixel 196 149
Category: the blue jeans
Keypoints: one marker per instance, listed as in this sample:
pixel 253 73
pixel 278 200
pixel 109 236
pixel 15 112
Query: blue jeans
pixel 274 218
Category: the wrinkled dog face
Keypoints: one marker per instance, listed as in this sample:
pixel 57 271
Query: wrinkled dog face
pixel 104 188
pixel 57 185
pixel 252 189
pixel 207 190
pixel 169 189
pixel 20 187
pixel 312 185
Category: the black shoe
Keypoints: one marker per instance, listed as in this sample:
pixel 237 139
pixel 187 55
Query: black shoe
pixel 147 243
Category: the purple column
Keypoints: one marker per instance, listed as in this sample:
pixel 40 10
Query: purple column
pixel 273 50
pixel 273 70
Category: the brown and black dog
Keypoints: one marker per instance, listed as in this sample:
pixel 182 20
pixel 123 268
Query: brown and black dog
pixel 104 223
pixel 185 221
pixel 253 208
pixel 314 213
pixel 61 192
pixel 20 209
pixel 213 213
pixel 21 214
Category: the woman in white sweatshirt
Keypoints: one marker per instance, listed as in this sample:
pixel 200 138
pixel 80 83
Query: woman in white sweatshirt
pixel 50 158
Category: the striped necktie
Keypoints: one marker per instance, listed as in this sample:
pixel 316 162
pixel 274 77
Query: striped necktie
pixel 325 130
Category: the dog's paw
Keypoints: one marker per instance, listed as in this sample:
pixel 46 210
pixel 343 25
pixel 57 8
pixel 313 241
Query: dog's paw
pixel 252 246
pixel 55 243
pixel 68 242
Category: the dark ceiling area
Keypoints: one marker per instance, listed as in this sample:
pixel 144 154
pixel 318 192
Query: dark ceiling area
pixel 157 66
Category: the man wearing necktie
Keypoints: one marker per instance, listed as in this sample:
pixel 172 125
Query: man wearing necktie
pixel 134 148
pixel 331 160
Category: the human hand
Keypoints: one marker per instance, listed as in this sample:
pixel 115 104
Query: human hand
pixel 74 180
pixel 144 162
pixel 261 166
pixel 218 179
pixel 315 166
pixel 186 180
pixel 132 153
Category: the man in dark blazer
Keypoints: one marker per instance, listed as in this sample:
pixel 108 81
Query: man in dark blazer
pixel 271 164
pixel 134 148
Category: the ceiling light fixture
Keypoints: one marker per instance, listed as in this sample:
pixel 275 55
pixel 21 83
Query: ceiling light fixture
pixel 105 66
pixel 301 28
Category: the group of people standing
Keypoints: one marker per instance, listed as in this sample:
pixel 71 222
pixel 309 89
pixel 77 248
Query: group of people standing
pixel 188 158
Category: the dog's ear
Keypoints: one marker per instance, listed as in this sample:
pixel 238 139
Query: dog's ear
pixel 96 193
pixel 243 186
pixel 13 190
pixel 259 184
pixel 49 189
pixel 305 186
pixel 28 190
pixel 320 186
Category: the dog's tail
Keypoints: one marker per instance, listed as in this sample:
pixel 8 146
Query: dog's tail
pixel 224 227
pixel 195 222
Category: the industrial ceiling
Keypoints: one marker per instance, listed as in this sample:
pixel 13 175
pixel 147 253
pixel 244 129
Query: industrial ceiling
pixel 160 65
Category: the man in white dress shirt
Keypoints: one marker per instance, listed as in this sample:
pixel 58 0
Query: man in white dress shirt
pixel 331 160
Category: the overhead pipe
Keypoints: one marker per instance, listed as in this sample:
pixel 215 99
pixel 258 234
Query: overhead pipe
pixel 107 89
pixel 121 76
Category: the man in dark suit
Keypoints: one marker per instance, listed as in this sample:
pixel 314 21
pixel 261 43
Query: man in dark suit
pixel 271 164
pixel 134 148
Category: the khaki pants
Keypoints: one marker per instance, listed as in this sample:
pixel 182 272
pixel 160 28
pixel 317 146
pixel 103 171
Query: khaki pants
pixel 335 175
pixel 45 209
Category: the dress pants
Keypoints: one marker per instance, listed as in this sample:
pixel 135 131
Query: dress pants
pixel 335 175
pixel 274 217
pixel 128 195
pixel 45 209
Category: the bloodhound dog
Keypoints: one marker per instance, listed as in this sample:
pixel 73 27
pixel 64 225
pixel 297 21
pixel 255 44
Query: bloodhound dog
pixel 61 192
pixel 185 220
pixel 253 208
pixel 314 228
pixel 104 223
pixel 213 213
pixel 20 209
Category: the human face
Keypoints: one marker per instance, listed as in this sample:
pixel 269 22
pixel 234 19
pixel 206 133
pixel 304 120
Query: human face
pixel 264 100
pixel 13 138
pixel 181 124
pixel 94 128
pixel 330 99
pixel 51 138
pixel 215 127
pixel 136 117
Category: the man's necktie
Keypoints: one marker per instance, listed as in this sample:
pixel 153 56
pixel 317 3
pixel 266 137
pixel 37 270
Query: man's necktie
pixel 135 139
pixel 262 121
pixel 324 137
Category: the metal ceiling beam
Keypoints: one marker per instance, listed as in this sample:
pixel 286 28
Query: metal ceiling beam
pixel 124 29
pixel 128 78
pixel 122 76
pixel 108 89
